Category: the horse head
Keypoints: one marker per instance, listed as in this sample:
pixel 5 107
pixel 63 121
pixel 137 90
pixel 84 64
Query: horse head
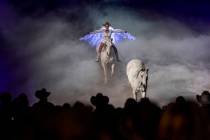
pixel 108 48
pixel 142 83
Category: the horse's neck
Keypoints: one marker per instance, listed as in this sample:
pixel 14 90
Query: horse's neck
pixel 111 51
pixel 105 49
pixel 105 56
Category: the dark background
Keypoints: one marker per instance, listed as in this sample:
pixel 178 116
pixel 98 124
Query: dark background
pixel 40 46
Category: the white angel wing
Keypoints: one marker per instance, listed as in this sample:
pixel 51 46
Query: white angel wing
pixel 120 36
pixel 94 39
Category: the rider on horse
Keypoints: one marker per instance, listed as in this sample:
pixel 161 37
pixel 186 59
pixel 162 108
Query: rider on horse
pixel 106 35
pixel 107 32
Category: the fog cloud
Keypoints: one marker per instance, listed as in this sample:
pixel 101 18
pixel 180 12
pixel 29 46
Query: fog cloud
pixel 49 54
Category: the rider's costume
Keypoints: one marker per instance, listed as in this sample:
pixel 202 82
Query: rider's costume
pixel 106 39
pixel 100 37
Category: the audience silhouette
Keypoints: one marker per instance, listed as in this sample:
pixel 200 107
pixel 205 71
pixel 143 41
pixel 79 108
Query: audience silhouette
pixel 182 119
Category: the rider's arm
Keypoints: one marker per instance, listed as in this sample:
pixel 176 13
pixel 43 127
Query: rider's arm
pixel 118 31
pixel 97 31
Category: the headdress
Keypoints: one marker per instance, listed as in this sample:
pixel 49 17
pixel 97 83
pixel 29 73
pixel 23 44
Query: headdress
pixel 107 23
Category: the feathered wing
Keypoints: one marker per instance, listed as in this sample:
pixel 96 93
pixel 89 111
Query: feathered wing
pixel 120 36
pixel 94 39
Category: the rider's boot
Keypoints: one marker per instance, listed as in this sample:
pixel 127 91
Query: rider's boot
pixel 117 58
pixel 116 53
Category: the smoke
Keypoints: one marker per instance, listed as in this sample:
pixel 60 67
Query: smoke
pixel 48 54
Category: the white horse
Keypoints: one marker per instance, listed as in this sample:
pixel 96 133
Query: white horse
pixel 108 60
pixel 137 76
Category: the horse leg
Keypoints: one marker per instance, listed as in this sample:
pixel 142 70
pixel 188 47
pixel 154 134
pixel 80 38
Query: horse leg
pixel 134 94
pixel 112 70
pixel 105 74
pixel 143 91
pixel 143 94
pixel 137 96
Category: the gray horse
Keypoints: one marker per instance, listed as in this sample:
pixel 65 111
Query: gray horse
pixel 108 60
pixel 137 75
